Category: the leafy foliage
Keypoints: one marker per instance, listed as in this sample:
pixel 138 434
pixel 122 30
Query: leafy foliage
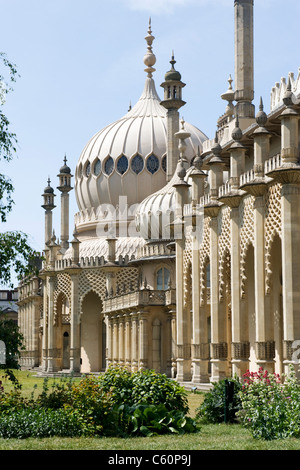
pixel 270 408
pixel 212 410
pixel 15 252
pixel 13 339
pixel 39 423
pixel 149 420
pixel 113 404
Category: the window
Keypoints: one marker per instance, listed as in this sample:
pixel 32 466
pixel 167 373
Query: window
pixel 122 165
pixel 152 164
pixel 137 164
pixel 162 279
pixel 109 166
pixel 88 169
pixel 97 167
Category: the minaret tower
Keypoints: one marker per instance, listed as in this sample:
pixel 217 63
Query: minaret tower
pixel 172 102
pixel 244 58
pixel 48 206
pixel 64 187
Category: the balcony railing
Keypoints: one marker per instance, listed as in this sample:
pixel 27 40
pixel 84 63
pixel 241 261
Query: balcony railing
pixel 135 299
pixel 273 163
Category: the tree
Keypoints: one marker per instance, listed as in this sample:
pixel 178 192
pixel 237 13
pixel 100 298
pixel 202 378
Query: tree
pixel 15 253
pixel 13 340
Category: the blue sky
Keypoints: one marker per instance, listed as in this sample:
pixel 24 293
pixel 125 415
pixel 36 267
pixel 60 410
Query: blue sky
pixel 81 64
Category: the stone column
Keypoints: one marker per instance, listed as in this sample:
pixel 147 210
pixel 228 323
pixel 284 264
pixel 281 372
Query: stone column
pixel 143 340
pixel 240 347
pixel 52 351
pixel 200 362
pixel 262 358
pixel 218 348
pixel 128 342
pixel 115 340
pixel 45 326
pixel 109 341
pixel 121 341
pixel 134 342
pixel 75 324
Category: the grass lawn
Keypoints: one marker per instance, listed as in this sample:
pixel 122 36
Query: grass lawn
pixel 209 437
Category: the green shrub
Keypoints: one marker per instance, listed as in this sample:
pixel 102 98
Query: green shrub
pixel 149 420
pixel 212 409
pixel 145 386
pixel 153 388
pixel 117 383
pixel 39 423
pixel 116 403
pixel 104 401
pixel 270 408
pixel 57 396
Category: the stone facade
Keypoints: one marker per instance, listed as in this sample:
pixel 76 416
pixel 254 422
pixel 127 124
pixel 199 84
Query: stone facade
pixel 220 294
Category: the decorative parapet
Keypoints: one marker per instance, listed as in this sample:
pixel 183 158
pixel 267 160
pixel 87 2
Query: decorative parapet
pixel 247 177
pixel 133 300
pixel 273 163
pixel 219 350
pixel 265 350
pixel 240 351
pixel 225 189
pixel 280 88
pixel 29 289
pixel 150 250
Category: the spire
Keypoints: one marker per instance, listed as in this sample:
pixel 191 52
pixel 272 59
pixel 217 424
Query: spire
pixel 244 57
pixel 149 58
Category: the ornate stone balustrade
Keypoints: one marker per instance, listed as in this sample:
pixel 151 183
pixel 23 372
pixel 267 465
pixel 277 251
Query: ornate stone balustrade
pixel 273 163
pixel 133 300
pixel 247 177
pixel 225 189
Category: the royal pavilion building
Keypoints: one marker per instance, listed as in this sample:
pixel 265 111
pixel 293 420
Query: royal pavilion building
pixel 184 255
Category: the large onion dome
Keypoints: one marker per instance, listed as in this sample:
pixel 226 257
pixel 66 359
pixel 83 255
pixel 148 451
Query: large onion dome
pixel 128 157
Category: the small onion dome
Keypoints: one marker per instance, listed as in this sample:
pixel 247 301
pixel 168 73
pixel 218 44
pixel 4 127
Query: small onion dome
pixel 65 169
pixel 48 189
pixel 172 75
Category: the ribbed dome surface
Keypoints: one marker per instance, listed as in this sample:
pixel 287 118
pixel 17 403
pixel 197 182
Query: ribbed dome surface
pixel 157 211
pixel 127 158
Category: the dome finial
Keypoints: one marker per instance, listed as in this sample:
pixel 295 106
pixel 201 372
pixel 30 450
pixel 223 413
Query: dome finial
pixel 149 58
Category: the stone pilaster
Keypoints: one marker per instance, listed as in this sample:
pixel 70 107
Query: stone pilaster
pixel 143 340
pixel 75 324
pixel 218 353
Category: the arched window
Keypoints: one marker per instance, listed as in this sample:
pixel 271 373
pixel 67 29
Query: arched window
pixel 162 279
pixel 137 164
pixel 109 166
pixel 152 164
pixel 88 169
pixel 97 167
pixel 122 165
